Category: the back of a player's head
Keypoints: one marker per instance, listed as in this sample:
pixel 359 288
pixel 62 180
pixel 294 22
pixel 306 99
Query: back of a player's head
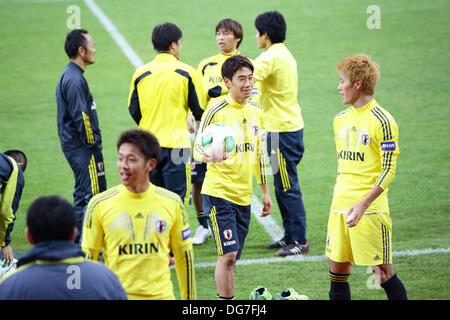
pixel 164 34
pixel 233 64
pixel 360 67
pixel 51 218
pixel 146 142
pixel 272 23
pixel 74 40
pixel 233 26
pixel 19 156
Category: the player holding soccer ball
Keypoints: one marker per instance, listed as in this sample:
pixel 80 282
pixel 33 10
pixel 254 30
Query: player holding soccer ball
pixel 359 225
pixel 227 189
pixel 229 36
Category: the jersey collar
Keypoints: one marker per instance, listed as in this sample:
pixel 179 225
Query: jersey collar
pixel 235 52
pixel 165 57
pixel 142 195
pixel 233 103
pixel 368 106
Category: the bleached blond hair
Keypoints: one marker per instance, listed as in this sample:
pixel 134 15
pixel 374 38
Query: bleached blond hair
pixel 360 67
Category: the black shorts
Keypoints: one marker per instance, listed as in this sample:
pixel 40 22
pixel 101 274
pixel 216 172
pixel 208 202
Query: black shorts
pixel 173 172
pixel 229 223
pixel 198 171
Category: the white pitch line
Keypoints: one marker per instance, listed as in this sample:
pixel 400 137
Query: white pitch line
pixel 272 228
pixel 306 258
pixel 115 34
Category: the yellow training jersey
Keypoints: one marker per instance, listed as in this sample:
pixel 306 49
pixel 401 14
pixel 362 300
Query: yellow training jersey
pixel 211 72
pixel 367 150
pixel 233 178
pixel 136 233
pixel 277 82
pixel 161 94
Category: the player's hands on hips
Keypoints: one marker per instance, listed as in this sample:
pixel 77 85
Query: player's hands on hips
pixel 7 254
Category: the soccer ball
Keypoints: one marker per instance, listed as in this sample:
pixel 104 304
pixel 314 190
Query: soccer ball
pixel 219 141
pixel 5 269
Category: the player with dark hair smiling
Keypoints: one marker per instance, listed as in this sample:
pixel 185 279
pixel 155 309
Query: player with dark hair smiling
pixel 137 224
pixel 228 187
pixel 229 35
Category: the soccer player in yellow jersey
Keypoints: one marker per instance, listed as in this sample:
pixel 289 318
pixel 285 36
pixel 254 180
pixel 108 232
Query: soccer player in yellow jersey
pixel 229 36
pixel 277 81
pixel 359 225
pixel 136 224
pixel 227 189
pixel 161 94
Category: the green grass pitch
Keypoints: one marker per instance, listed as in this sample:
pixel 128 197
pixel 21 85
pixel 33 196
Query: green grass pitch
pixel 411 47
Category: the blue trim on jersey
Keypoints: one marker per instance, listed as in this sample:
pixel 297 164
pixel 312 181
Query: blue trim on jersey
pixel 387 158
pixel 387 133
pixel 212 112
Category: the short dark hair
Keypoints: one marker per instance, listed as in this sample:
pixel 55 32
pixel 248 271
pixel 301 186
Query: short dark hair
pixel 74 40
pixel 145 141
pixel 51 218
pixel 19 156
pixel 233 64
pixel 164 34
pixel 272 23
pixel 233 26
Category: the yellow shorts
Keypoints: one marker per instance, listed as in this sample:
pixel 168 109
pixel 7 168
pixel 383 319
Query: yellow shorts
pixel 366 244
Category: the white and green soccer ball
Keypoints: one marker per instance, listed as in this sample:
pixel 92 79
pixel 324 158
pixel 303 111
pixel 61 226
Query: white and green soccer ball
pixel 219 141
pixel 7 269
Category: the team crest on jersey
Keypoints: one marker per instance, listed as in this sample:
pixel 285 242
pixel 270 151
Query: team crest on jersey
pixel 228 234
pixel 365 139
pixel 160 226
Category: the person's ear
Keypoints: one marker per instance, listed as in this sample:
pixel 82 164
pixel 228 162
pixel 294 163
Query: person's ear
pixel 152 164
pixel 29 236
pixel 74 234
pixel 81 51
pixel 227 82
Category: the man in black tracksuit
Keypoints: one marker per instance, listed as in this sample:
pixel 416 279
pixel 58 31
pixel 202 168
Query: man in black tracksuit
pixel 78 126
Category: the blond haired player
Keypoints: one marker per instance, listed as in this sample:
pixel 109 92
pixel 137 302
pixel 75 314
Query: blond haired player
pixel 359 225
